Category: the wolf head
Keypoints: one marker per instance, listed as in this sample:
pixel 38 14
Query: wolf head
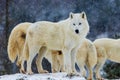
pixel 79 23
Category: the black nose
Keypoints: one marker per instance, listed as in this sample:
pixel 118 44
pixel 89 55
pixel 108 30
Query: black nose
pixel 77 31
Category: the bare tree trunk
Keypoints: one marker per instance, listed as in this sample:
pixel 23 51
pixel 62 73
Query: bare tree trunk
pixel 6 29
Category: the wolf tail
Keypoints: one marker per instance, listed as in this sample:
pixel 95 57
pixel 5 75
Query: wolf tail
pixel 12 46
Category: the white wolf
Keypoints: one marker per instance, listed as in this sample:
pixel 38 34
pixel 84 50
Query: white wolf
pixel 87 55
pixel 106 49
pixel 16 43
pixel 66 36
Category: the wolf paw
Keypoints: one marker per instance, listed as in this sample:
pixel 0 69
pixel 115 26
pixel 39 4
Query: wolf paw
pixel 43 71
pixel 100 79
pixel 22 71
pixel 89 78
pixel 54 71
pixel 29 73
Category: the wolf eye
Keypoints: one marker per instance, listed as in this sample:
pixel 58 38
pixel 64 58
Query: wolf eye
pixel 74 24
pixel 79 23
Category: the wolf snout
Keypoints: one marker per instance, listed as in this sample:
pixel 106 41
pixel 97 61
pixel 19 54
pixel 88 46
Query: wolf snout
pixel 77 31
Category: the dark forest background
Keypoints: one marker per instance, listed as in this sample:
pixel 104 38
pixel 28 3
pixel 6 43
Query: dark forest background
pixel 103 17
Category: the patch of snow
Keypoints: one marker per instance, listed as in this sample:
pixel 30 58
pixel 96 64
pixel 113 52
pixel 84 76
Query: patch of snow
pixel 48 76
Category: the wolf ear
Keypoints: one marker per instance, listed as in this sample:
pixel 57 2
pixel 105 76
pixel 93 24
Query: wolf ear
pixel 83 15
pixel 71 15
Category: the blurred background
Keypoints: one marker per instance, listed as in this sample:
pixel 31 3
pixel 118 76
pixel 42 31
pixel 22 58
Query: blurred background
pixel 103 17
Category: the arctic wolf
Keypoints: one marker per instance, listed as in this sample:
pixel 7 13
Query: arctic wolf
pixel 106 49
pixel 66 36
pixel 87 55
pixel 16 43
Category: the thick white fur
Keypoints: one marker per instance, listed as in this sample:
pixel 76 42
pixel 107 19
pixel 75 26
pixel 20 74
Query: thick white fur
pixel 106 49
pixel 61 36
pixel 87 55
pixel 16 41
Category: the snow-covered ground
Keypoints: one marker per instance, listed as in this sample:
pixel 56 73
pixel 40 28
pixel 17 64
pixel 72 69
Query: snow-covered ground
pixel 48 76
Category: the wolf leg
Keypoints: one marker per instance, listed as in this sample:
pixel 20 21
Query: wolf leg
pixel 32 53
pixel 67 61
pixel 101 60
pixel 40 56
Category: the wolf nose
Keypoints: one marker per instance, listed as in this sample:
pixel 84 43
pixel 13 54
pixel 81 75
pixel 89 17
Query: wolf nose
pixel 77 31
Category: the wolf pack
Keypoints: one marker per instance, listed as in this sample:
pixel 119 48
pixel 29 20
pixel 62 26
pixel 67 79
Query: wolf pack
pixel 63 43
